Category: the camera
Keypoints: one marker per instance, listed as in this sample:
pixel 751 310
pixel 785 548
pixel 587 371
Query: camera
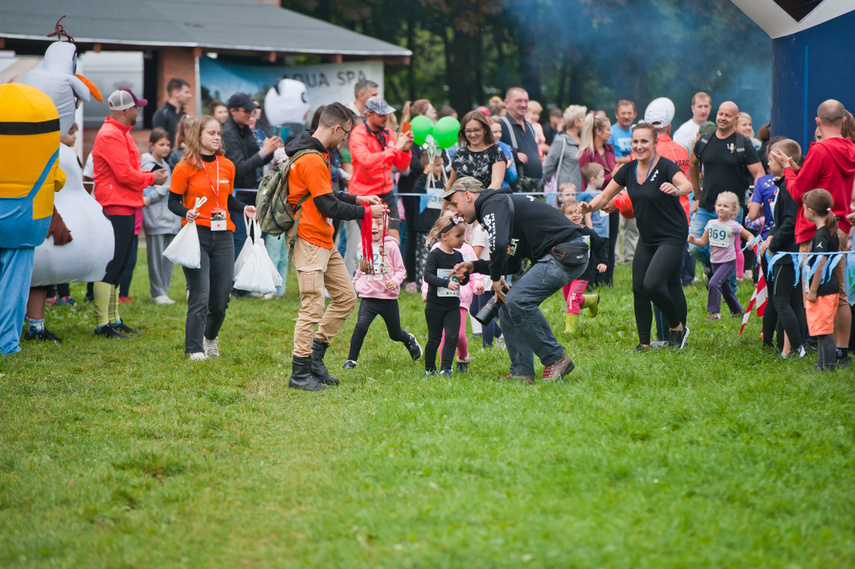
pixel 489 311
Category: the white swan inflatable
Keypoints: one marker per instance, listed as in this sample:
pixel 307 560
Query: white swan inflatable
pixel 85 258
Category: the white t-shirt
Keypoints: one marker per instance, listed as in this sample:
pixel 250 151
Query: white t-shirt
pixel 480 238
pixel 686 134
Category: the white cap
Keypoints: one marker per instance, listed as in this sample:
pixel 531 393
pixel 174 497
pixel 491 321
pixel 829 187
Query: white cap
pixel 660 112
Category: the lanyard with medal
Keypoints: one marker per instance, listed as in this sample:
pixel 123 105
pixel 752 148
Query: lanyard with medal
pixel 218 214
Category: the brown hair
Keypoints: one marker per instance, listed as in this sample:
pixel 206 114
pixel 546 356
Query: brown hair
pixel 591 125
pixel 414 109
pixel 336 114
pixel 214 105
pixel 648 126
pixel 156 135
pixel 574 203
pixel 478 117
pixel 821 202
pixel 592 170
pixel 848 127
pixel 789 147
pixel 181 129
pixel 193 137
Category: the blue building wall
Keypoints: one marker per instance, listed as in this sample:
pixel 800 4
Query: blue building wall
pixel 807 68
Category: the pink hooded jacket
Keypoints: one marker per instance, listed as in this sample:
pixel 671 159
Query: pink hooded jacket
pixel 373 286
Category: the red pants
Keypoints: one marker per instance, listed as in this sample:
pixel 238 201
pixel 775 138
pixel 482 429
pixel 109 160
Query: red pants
pixel 573 294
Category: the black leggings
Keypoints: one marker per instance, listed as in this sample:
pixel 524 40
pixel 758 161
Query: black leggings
pixel 369 309
pixel 789 304
pixel 656 278
pixel 440 318
pixel 607 278
pixel 123 235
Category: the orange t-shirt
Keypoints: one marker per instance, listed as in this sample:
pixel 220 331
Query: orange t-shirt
pixel 309 174
pixel 195 183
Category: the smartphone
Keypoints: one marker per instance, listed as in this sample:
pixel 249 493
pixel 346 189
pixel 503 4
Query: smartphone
pixel 405 128
pixel 283 132
pixel 156 167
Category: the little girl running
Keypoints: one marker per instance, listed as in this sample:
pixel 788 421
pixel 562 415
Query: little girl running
pixel 574 292
pixel 821 286
pixel 721 235
pixel 442 311
pixel 377 282
pixel 468 292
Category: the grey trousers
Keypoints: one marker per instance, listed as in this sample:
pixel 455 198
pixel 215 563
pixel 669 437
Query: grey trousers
pixel 159 267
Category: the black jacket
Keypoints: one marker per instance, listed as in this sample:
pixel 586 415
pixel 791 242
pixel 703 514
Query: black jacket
pixel 784 231
pixel 337 205
pixel 241 148
pixel 599 253
pixel 537 228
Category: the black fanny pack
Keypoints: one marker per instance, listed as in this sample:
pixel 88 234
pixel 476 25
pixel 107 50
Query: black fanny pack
pixel 572 254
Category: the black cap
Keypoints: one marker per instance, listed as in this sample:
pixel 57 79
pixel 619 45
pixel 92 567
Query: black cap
pixel 241 100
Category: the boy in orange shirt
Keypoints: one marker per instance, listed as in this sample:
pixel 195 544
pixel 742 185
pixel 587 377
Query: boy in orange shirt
pixel 319 265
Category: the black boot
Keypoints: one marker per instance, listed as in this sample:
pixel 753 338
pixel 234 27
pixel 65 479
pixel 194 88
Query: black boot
pixel 319 370
pixel 301 375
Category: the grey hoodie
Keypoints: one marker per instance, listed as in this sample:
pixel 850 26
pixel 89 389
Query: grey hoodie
pixel 157 219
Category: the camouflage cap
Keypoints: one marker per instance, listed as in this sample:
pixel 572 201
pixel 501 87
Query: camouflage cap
pixel 465 184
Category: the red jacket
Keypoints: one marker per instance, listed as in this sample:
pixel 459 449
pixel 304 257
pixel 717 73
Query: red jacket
pixel 830 165
pixel 118 174
pixel 372 164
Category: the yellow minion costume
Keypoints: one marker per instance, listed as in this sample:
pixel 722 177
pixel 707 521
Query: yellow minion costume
pixel 29 177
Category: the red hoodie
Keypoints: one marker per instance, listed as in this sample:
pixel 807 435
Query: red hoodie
pixel 830 165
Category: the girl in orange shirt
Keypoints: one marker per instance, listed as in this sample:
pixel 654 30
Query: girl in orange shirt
pixel 205 172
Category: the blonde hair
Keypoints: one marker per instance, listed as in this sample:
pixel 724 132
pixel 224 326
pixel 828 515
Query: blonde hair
pixel 439 227
pixel 744 115
pixel 731 197
pixel 573 202
pixel 563 186
pixel 591 125
pixel 193 138
pixel 574 113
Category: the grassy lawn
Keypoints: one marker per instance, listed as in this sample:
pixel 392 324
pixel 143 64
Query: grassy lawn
pixel 123 454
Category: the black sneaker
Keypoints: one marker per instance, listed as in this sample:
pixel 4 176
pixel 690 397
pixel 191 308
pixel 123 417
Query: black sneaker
pixel 124 328
pixel 349 364
pixel 413 347
pixel 843 360
pixel 108 332
pixel 677 338
pixel 44 336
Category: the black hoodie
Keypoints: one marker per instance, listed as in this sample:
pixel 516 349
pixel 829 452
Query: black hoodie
pixel 538 228
pixel 337 205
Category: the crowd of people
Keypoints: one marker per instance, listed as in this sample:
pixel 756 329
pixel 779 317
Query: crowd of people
pixel 538 208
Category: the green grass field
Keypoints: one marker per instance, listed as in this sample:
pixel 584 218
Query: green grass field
pixel 123 454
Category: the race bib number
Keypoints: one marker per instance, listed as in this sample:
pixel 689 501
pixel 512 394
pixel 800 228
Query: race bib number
pixel 435 198
pixel 719 235
pixel 442 292
pixel 381 269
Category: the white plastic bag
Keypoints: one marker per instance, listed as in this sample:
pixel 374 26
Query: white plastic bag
pixel 184 249
pixel 257 272
pixel 246 250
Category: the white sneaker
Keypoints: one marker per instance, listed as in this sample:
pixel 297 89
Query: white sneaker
pixel 162 299
pixel 197 357
pixel 212 349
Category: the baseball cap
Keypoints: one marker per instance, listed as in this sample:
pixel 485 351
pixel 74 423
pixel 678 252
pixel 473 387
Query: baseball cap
pixel 464 184
pixel 241 100
pixel 660 112
pixel 378 105
pixel 707 127
pixel 123 99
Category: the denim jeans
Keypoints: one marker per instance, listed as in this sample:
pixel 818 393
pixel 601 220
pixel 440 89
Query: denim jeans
pixel 209 287
pixel 696 229
pixel 527 332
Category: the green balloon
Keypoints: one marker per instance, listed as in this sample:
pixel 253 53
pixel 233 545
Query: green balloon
pixel 445 132
pixel 421 127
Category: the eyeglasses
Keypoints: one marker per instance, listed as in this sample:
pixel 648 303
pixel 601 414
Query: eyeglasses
pixel 473 130
pixel 346 132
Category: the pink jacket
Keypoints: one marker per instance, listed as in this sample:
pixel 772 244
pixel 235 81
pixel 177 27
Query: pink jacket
pixel 467 291
pixel 373 286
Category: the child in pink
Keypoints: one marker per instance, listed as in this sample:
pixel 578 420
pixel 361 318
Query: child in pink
pixel 467 293
pixel 377 282
pixel 721 234
pixel 574 292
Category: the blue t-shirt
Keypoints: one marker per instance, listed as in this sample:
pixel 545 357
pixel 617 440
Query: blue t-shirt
pixel 765 194
pixel 622 141
pixel 599 219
